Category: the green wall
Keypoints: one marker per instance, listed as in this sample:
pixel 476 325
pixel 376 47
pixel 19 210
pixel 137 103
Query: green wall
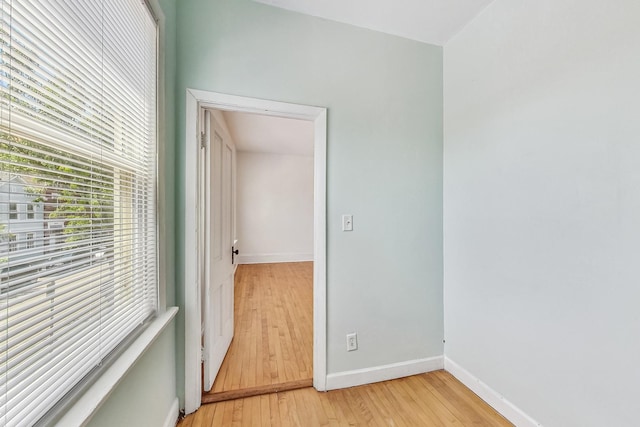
pixel 145 395
pixel 384 100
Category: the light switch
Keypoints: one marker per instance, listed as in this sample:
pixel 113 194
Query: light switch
pixel 347 222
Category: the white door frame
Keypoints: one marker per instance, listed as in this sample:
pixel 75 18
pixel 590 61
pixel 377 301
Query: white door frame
pixel 196 100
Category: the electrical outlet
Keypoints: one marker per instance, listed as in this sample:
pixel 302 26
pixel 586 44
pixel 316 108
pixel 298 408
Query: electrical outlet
pixel 352 341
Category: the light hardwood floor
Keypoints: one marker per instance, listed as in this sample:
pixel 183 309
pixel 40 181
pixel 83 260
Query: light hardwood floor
pixel 432 399
pixel 273 338
pixel 272 347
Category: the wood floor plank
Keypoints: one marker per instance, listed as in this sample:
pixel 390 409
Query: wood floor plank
pixel 227 410
pixel 362 411
pixel 398 411
pixel 273 340
pixel 422 403
pixel 187 421
pixel 475 404
pixel 287 416
pixel 330 412
pixel 344 411
pixel 236 418
pixel 218 416
pixel 432 399
pixel 265 415
pixel 207 419
pixel 274 409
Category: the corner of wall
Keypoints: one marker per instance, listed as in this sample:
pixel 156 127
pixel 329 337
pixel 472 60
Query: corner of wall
pixel 489 395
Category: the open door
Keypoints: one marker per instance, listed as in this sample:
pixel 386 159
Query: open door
pixel 196 100
pixel 217 242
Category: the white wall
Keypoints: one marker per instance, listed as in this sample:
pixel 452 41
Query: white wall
pixel 274 207
pixel 542 207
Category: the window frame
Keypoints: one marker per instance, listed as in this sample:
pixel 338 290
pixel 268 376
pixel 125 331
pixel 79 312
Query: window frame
pixel 79 406
pixel 30 239
pixel 13 210
pixel 13 242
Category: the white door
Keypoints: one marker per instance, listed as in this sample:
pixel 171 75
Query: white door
pixel 218 239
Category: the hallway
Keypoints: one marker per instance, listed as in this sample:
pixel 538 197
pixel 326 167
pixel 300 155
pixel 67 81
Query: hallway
pixel 272 345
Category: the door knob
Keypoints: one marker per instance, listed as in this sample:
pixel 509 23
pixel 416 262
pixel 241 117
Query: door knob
pixel 234 252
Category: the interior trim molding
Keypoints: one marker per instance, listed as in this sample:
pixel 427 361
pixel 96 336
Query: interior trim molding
pixel 272 258
pixel 507 409
pixel 172 416
pixel 384 372
pixel 197 101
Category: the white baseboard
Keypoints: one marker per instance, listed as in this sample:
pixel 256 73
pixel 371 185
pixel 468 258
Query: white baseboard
pixel 383 373
pixel 172 416
pixel 489 395
pixel 273 258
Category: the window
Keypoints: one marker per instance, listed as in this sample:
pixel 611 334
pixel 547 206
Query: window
pixel 13 243
pixel 30 240
pixel 13 211
pixel 78 138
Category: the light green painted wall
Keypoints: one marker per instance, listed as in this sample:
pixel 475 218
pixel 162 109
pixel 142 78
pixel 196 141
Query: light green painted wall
pixel 169 124
pixel 145 395
pixel 384 100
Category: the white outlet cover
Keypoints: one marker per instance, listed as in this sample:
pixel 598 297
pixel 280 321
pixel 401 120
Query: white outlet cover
pixel 352 341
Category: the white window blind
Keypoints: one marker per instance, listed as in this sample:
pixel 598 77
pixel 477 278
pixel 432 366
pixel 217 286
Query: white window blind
pixel 78 264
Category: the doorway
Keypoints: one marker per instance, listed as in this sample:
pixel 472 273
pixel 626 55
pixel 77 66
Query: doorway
pixel 197 102
pixel 272 347
pixel 273 294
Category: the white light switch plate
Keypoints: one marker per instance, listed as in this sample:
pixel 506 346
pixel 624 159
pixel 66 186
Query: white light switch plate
pixel 347 222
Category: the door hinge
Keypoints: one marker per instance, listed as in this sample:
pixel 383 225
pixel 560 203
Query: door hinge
pixel 203 140
pixel 202 358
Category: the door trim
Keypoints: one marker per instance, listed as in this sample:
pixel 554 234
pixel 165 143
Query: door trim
pixel 195 102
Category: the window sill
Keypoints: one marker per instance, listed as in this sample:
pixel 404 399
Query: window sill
pixel 87 405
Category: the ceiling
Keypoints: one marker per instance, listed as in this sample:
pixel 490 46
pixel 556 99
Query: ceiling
pixel 429 21
pixel 269 134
